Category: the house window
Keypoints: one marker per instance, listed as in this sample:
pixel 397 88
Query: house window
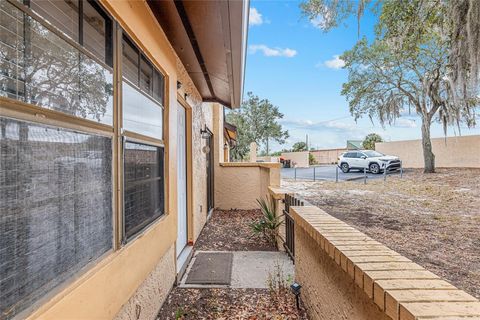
pixel 64 15
pixel 142 93
pixel 42 67
pixel 55 208
pixel 144 186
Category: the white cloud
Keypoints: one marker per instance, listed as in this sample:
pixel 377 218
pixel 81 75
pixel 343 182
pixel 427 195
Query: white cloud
pixel 335 63
pixel 272 52
pixel 405 123
pixel 255 17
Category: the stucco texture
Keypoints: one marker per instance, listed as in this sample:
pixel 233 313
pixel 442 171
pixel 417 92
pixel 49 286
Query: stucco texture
pixel 452 152
pixel 331 293
pixel 298 159
pixel 149 297
pixel 327 156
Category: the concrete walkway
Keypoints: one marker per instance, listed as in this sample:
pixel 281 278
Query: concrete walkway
pixel 250 269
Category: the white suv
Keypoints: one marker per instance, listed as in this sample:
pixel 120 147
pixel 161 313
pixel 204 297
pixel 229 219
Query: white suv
pixel 374 161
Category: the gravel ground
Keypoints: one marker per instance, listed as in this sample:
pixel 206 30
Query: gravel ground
pixel 231 231
pixel 433 219
pixel 248 304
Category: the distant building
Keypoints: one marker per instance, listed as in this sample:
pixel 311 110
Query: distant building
pixel 354 144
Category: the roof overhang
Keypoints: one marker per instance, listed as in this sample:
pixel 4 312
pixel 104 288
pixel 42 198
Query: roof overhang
pixel 230 133
pixel 209 36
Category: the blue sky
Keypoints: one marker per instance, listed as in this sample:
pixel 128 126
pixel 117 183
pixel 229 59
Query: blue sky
pixel 295 65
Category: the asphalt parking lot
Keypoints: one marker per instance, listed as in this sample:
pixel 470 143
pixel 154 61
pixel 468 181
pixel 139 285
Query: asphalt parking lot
pixel 328 173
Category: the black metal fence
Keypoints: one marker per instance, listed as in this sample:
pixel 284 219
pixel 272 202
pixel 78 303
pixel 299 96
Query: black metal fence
pixel 289 244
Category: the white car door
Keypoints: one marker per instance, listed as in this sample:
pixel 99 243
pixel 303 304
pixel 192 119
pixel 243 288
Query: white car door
pixel 362 160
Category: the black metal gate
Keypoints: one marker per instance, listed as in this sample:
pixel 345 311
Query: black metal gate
pixel 290 224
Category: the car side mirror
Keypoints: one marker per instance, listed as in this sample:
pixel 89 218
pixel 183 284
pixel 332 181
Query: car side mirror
pixel 363 157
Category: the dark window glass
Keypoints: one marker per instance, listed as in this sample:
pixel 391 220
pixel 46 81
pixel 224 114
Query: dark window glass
pixel 146 76
pixel 55 208
pixel 158 86
pixel 63 14
pixel 130 61
pixel 144 186
pixel 56 75
pixel 349 155
pixel 97 32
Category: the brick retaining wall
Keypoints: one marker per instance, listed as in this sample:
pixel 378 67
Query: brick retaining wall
pixel 347 275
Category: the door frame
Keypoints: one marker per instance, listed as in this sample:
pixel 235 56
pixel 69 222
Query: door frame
pixel 189 161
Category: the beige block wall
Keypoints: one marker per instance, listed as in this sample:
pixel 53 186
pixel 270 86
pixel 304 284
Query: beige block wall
pixel 298 159
pixel 326 291
pixel 452 152
pixel 347 275
pixel 327 156
pixel 238 185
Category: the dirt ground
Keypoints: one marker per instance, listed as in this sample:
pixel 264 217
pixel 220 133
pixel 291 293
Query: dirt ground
pixel 433 219
pixel 232 231
pixel 227 303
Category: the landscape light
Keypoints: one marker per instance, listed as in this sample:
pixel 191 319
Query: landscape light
pixel 295 288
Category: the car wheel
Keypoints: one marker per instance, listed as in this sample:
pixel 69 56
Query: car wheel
pixel 374 168
pixel 345 168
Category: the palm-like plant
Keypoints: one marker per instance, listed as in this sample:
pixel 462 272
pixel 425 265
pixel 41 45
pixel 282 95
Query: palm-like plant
pixel 269 223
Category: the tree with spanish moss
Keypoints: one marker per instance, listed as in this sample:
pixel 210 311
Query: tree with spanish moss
pixel 408 67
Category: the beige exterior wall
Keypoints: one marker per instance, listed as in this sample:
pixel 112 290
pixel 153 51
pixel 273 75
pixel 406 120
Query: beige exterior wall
pixel 327 156
pixel 132 282
pixel 356 277
pixel 238 185
pixel 298 159
pixel 449 153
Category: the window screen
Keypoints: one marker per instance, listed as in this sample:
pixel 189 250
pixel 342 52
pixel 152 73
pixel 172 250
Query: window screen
pixel 55 208
pixel 97 32
pixel 144 186
pixel 130 61
pixel 57 76
pixel 146 76
pixel 60 13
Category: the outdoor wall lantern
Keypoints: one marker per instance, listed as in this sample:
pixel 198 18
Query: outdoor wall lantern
pixel 205 132
pixel 295 288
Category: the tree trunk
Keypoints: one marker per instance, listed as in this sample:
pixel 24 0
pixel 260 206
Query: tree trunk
pixel 428 156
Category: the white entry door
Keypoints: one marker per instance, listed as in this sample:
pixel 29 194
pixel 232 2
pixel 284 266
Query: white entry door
pixel 181 179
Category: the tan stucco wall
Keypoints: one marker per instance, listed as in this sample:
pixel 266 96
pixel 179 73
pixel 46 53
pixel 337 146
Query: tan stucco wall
pixel 298 159
pixel 347 275
pixel 137 277
pixel 327 292
pixel 148 298
pixel 327 156
pixel 450 152
pixel 238 185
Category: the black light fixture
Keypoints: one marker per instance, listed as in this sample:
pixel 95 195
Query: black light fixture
pixel 295 288
pixel 205 132
pixel 179 85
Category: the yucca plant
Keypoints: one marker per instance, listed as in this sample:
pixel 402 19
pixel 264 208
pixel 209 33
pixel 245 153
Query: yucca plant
pixel 269 222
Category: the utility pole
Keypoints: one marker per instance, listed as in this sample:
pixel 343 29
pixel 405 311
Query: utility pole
pixel 306 141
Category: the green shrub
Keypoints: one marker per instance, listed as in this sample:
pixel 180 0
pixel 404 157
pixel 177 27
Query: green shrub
pixel 269 222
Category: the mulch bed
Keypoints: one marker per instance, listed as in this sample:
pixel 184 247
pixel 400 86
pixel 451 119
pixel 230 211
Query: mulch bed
pixel 250 304
pixel 231 230
pixel 432 219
